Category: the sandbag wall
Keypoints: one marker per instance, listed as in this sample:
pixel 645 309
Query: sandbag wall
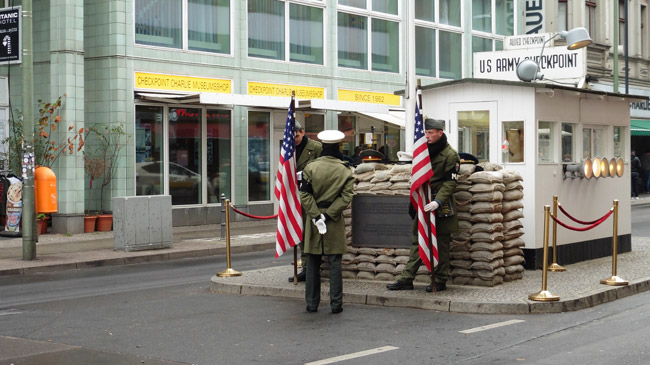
pixel 496 255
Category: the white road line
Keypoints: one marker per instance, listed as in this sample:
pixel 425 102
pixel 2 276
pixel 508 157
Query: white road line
pixel 491 326
pixel 332 360
pixel 9 312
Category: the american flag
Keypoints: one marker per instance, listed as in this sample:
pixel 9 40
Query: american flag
pixel 286 190
pixel 421 173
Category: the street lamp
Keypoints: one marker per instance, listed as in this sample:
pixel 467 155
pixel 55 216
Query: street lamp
pixel 528 69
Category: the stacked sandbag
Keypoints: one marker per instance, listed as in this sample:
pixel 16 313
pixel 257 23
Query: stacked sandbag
pixel 513 255
pixel 380 179
pixel 486 232
pixel 459 248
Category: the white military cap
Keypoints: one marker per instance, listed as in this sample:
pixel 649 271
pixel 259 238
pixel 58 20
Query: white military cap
pixel 331 136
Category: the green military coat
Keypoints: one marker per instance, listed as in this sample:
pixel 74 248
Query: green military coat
pixel 333 187
pixel 445 167
pixel 310 153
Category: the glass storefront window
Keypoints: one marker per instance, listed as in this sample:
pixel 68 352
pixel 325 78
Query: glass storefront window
pixel 568 142
pixel 266 29
pixel 474 133
pixel 258 156
pixel 385 6
pixel 209 25
pixel 352 41
pixel 545 141
pixel 425 10
pixel 148 150
pixel 348 125
pixel 385 45
pixel 306 34
pixel 513 132
pixel 425 51
pixel 449 12
pixel 619 141
pixel 451 60
pixel 218 154
pixel 482 15
pixel 159 23
pixel 505 17
pixel 185 155
pixel 314 124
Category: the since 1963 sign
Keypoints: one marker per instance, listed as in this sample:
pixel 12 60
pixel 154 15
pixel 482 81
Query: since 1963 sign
pixel 10 35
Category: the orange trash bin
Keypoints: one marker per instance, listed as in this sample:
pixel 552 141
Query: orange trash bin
pixel 45 190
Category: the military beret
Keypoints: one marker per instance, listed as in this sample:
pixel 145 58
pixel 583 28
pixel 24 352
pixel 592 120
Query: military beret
pixel 331 136
pixel 434 124
pixel 371 156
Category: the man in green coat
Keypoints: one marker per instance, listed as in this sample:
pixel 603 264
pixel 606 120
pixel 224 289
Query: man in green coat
pixel 445 163
pixel 307 150
pixel 326 190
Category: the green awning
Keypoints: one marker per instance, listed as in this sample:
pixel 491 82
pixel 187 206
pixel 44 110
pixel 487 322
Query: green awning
pixel 640 127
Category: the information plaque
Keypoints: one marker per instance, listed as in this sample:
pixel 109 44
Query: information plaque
pixel 381 221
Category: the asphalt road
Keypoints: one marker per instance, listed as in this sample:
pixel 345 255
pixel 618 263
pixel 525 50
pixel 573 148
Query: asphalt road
pixel 163 312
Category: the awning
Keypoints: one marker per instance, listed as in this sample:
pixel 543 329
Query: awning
pixel 169 98
pixel 394 117
pixel 639 127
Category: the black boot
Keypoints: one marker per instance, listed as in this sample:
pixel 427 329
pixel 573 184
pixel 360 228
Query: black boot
pixel 301 276
pixel 400 285
pixel 439 287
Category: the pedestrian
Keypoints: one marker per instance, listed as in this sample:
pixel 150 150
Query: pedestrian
pixel 307 150
pixel 645 166
pixel 445 163
pixel 326 190
pixel 636 171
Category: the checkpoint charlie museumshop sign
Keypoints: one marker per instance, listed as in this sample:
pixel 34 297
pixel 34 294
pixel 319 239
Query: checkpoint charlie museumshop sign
pixel 10 37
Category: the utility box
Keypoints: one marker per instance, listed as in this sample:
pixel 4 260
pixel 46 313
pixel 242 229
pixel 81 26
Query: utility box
pixel 142 222
pixel 45 190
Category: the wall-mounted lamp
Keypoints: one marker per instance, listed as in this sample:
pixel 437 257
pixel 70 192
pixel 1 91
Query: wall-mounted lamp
pixel 528 70
pixel 598 167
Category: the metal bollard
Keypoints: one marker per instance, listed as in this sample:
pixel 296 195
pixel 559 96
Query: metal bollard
pixel 554 266
pixel 229 271
pixel 223 216
pixel 614 280
pixel 545 295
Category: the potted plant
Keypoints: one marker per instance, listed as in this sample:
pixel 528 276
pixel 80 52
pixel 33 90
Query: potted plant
pixel 106 141
pixel 94 167
pixel 41 221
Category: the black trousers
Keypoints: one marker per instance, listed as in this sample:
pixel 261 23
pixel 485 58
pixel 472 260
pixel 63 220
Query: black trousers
pixel 312 281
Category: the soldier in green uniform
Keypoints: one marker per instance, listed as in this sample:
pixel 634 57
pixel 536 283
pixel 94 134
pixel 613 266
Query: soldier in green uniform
pixel 307 150
pixel 326 190
pixel 445 163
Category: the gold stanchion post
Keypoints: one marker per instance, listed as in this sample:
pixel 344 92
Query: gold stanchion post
pixel 614 280
pixel 554 266
pixel 544 295
pixel 229 271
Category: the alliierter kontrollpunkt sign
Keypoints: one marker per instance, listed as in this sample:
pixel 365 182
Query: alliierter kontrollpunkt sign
pixel 557 63
pixel 10 35
pixel 534 10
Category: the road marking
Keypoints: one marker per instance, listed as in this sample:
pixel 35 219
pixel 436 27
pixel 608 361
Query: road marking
pixel 9 312
pixel 491 326
pixel 332 360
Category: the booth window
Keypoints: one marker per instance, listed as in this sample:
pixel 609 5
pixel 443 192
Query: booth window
pixel 568 142
pixel 218 154
pixel 258 156
pixel 619 141
pixel 545 142
pixel 593 142
pixel 474 133
pixel 149 150
pixel 185 155
pixel 513 133
pixel 161 23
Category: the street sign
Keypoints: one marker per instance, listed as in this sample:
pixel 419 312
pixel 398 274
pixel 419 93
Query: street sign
pixel 10 35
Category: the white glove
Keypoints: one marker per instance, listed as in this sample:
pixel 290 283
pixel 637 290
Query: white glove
pixel 320 224
pixel 431 206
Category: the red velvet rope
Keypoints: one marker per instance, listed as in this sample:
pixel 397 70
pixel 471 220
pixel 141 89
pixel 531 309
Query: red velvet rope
pixel 253 216
pixel 599 221
pixel 574 219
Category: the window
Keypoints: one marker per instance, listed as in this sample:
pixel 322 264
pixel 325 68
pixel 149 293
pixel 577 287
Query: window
pixel 562 16
pixel 266 29
pixel 218 154
pixel 425 54
pixel 474 132
pixel 505 20
pixel 161 23
pixel 621 22
pixel 593 142
pixel 568 142
pixel 451 60
pixel 185 155
pixel 449 11
pixel 619 141
pixel 591 17
pixel 545 142
pixel 482 15
pixel 348 125
pixel 437 37
pixel 425 10
pixel 258 156
pixel 513 134
pixel 149 150
pixel 644 35
pixel 353 27
pixel 306 38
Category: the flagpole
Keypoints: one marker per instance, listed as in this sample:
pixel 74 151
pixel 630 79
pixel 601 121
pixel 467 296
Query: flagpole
pixel 428 216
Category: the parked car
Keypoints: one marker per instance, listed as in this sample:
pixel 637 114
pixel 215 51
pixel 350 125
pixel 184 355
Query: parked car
pixel 184 184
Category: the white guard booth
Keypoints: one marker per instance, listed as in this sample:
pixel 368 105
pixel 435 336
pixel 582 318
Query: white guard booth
pixel 539 129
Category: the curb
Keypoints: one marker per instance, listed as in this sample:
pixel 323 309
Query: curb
pixel 153 256
pixel 591 299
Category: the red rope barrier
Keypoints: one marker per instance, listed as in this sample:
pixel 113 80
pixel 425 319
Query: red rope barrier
pixel 574 219
pixel 599 221
pixel 253 216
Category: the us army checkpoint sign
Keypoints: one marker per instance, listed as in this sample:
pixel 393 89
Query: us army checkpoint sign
pixel 10 35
